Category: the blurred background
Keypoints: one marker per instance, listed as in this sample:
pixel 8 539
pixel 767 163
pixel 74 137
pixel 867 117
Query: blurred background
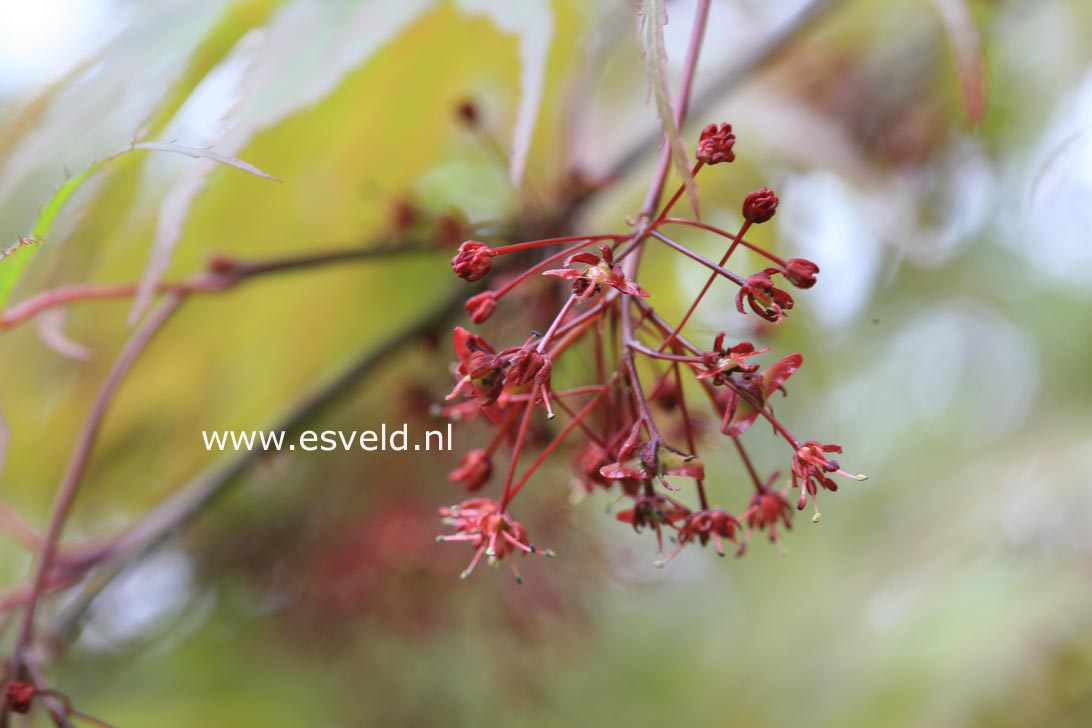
pixel 935 159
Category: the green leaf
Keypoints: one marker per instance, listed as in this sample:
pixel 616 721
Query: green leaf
pixel 532 21
pixel 16 258
pixel 654 18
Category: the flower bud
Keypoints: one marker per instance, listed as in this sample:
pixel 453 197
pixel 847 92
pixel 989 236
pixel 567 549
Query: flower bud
pixel 527 364
pixel 473 471
pixel 18 695
pixel 473 261
pixel 760 206
pixel 715 144
pixel 481 306
pixel 801 272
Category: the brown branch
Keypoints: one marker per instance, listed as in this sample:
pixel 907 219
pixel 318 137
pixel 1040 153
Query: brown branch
pixel 223 275
pixel 77 467
pixel 192 499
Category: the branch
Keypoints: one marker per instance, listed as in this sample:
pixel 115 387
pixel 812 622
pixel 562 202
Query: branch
pixel 223 275
pixel 77 467
pixel 729 78
pixel 190 501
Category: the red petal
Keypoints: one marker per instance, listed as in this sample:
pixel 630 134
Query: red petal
pixel 587 258
pixel 690 469
pixel 630 288
pixel 779 372
pixel 617 471
pixel 566 273
pixel 741 420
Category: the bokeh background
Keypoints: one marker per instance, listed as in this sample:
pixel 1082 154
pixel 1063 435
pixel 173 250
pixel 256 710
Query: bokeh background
pixel 947 348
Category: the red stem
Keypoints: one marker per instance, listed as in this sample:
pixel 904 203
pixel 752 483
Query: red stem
pixel 701 259
pixel 585 240
pixel 705 289
pixel 587 408
pixel 521 437
pixel 689 432
pixel 507 288
pixel 738 238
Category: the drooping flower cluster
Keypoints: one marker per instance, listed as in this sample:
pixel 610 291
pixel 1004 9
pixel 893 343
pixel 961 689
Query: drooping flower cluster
pixel 635 439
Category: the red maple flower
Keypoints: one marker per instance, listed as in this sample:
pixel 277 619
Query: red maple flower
pixel 596 273
pixel 588 464
pixel 490 530
pixel 480 369
pixel 654 511
pixel 528 364
pixel 18 696
pixel 481 306
pixel 759 206
pixel 765 299
pixel 747 392
pixel 767 509
pixel 701 526
pixel 715 144
pixel 810 466
pixel 473 261
pixel 800 272
pixel 649 460
pixel 473 470
pixel 720 361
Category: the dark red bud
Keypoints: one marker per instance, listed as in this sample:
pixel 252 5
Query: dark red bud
pixel 715 144
pixel 760 206
pixel 467 112
pixel 527 364
pixel 18 696
pixel 481 306
pixel 473 261
pixel 473 470
pixel 801 272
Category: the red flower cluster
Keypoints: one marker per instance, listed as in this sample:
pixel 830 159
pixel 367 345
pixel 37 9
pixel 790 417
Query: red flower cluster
pixel 490 530
pixel 597 271
pixel 715 144
pixel 636 442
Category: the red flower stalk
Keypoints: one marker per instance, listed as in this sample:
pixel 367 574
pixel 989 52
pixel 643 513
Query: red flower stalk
pixel 490 530
pixel 759 206
pixel 596 272
pixel 473 261
pixel 715 144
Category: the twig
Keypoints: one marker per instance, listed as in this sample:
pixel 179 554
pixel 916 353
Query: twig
pixel 224 275
pixel 77 466
pixel 190 501
pixel 732 76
